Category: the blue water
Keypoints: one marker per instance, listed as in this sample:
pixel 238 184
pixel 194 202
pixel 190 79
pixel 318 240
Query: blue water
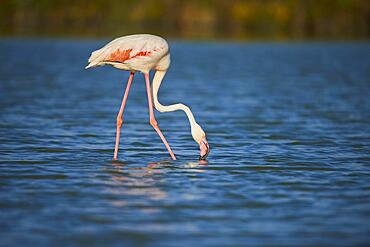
pixel 288 125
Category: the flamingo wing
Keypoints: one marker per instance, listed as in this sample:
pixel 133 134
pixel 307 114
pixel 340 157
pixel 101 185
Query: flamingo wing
pixel 133 49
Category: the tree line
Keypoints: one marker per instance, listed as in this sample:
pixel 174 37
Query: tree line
pixel 194 19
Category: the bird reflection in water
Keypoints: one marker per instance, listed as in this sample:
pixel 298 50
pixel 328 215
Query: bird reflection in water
pixel 144 187
pixel 130 182
pixel 123 166
pixel 197 164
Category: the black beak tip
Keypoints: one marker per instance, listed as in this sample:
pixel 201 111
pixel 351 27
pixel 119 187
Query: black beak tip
pixel 204 157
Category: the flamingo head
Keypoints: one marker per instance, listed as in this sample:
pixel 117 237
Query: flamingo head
pixel 200 137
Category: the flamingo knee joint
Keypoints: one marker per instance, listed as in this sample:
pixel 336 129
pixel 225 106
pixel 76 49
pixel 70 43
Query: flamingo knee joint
pixel 119 122
pixel 154 123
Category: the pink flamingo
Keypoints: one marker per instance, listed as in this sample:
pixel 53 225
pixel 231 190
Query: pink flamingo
pixel 142 53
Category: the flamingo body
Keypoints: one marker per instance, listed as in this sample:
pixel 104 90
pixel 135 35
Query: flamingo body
pixel 138 52
pixel 145 52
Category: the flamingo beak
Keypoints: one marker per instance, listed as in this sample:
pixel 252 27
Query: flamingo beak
pixel 204 149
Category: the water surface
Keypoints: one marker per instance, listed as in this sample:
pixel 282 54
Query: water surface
pixel 288 124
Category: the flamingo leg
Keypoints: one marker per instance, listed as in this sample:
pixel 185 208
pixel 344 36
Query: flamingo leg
pixel 120 113
pixel 153 122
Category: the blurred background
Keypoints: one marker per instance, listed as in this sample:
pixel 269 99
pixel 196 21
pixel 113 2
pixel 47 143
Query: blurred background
pixel 191 19
pixel 288 123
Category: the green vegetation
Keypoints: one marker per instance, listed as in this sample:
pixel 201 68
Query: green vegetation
pixel 198 19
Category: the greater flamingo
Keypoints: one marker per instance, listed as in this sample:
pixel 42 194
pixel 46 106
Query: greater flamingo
pixel 142 53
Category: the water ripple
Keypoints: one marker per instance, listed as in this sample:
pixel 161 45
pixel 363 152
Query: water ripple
pixel 288 125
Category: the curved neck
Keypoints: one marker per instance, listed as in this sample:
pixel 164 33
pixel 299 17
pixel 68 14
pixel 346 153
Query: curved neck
pixel 158 77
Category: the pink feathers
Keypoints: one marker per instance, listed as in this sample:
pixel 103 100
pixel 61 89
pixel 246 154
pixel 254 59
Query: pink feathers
pixel 122 56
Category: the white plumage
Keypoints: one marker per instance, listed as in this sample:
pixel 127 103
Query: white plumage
pixel 155 48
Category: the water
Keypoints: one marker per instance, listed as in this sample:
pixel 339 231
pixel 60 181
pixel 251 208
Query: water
pixel 288 125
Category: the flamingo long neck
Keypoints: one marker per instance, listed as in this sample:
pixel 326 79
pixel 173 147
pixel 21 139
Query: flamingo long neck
pixel 158 77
